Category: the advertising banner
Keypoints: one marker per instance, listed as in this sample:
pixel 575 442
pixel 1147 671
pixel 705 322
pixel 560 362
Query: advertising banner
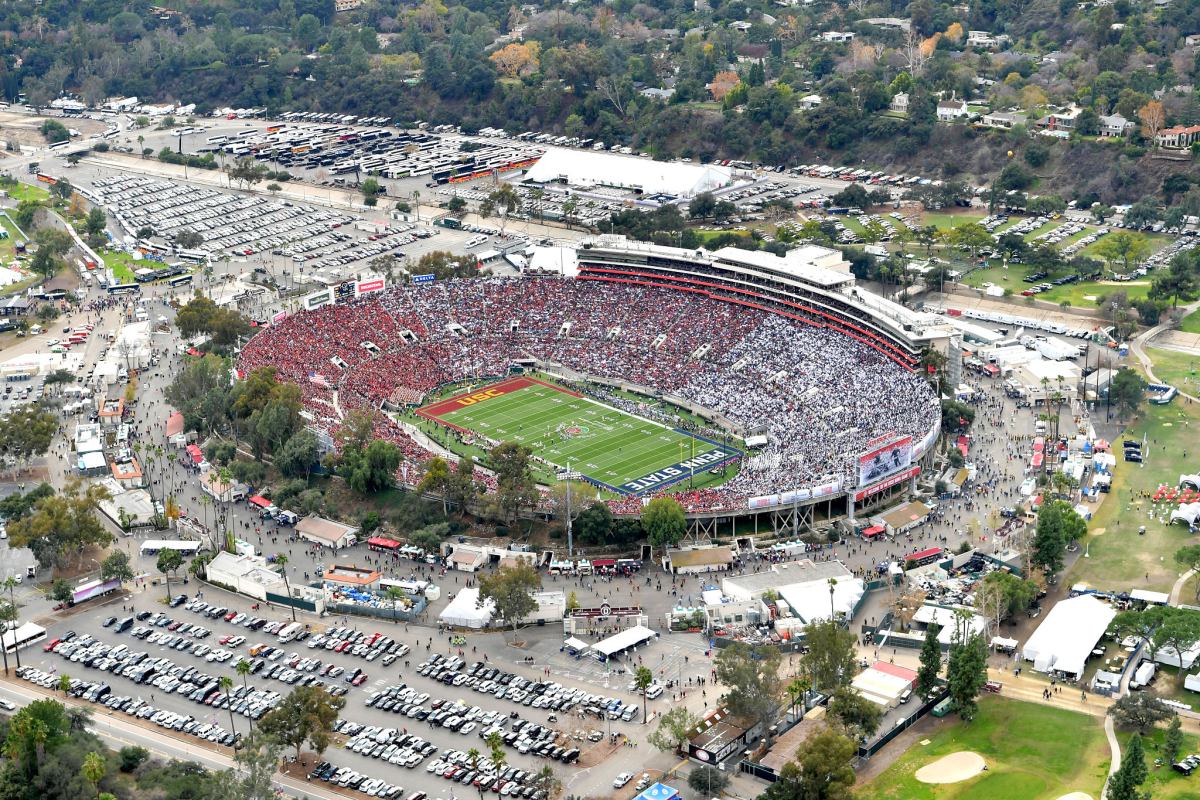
pixel 766 501
pixel 317 299
pixel 280 317
pixel 887 484
pixel 884 459
pixel 368 287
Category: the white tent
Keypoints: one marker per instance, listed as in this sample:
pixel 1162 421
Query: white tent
pixel 1068 635
pixel 1192 481
pixel 630 637
pixel 463 611
pixel 1187 513
pixel 576 644
pixel 810 600
pixel 585 169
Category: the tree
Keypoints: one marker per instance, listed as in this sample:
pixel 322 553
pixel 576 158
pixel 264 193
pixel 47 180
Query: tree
pixel 505 201
pixel 306 714
pixel 298 455
pixel 708 780
pixel 1139 710
pixel 1189 558
pixel 516 60
pixel 830 660
pixel 1153 119
pixel 1015 594
pixel 1180 281
pixel 674 730
pixel 1127 390
pixel 723 83
pixel 1124 246
pixel 509 589
pixel 966 672
pixel 1049 546
pixel 370 470
pixel 1124 783
pixel 931 663
pixel 1173 739
pixel 168 562
pixel 1178 633
pixel 642 679
pixel 225 683
pixel 855 715
pixel 246 172
pixel 282 561
pixel 663 521
pixel 93 770
pixel 752 677
pixel 60 590
pixel 821 770
pixel 515 485
pixel 62 526
pixel 131 757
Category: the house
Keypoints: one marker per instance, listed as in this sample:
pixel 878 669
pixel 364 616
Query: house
pixel 1191 41
pixel 899 103
pixel 1059 120
pixel 128 475
pixel 980 39
pixel 326 532
pixel 658 94
pixel 1179 136
pixel 1115 125
pixel 111 411
pixel 1179 89
pixel 1004 119
pixel 895 23
pixel 810 101
pixel 1057 57
pixel 346 5
pixel 353 577
pixel 949 110
pixel 740 26
pixel 837 36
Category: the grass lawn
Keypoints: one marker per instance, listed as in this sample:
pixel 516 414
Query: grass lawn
pixel 706 235
pixel 1190 323
pixel 947 221
pixel 1174 367
pixel 1164 783
pixel 1118 558
pixel 26 191
pixel 1033 752
pixel 123 265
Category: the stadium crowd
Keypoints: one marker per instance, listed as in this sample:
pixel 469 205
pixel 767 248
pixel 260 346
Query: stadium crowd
pixel 820 395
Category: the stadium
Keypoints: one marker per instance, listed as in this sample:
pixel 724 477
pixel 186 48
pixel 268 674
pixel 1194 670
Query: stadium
pixel 800 389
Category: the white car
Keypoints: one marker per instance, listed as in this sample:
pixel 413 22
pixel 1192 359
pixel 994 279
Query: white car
pixel 622 779
pixel 7 704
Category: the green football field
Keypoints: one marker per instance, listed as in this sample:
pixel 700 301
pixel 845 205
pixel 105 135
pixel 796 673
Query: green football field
pixel 615 450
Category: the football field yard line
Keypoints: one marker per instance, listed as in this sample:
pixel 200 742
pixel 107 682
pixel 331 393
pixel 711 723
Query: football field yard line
pixel 630 448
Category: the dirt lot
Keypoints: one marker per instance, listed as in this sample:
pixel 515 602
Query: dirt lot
pixel 23 128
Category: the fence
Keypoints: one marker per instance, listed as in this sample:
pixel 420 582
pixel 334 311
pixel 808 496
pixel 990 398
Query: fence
pixel 757 771
pixel 295 602
pixel 789 646
pixel 386 613
pixel 866 751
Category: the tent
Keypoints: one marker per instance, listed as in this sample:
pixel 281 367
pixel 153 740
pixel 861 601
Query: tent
pixel 575 644
pixel 810 600
pixel 1069 634
pixel 1187 513
pixel 630 637
pixel 464 613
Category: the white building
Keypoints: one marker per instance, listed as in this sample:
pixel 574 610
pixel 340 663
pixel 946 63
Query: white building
pixel 899 103
pixel 949 110
pixel 1063 642
pixel 591 169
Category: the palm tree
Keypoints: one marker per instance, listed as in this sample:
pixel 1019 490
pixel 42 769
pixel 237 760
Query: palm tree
pixel 7 614
pixel 798 689
pixel 537 195
pixel 473 758
pixel 643 677
pixel 243 668
pixel 282 560
pixel 141 140
pixel 832 583
pixel 226 683
pixel 64 684
pixel 11 584
pixel 94 770
pixel 394 593
pixel 498 756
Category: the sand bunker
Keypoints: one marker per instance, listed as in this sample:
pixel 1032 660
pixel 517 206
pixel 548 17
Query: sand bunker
pixel 1076 796
pixel 952 768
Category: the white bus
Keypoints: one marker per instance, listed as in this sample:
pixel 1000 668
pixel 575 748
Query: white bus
pixel 290 632
pixel 24 636
pixel 217 140
pixel 152 546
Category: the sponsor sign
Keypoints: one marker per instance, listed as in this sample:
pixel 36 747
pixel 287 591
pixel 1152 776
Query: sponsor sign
pixel 884 459
pixel 317 299
pixel 766 501
pixel 605 611
pixel 887 484
pixel 282 315
pixel 368 287
pixel 422 278
pixel 675 472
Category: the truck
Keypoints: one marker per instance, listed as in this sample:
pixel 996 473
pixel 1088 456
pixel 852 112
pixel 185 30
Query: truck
pixel 1056 350
pixel 243 548
pixel 290 632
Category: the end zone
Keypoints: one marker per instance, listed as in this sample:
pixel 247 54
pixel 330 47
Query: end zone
pixel 435 411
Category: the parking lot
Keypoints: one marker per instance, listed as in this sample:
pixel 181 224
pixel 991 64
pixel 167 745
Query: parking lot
pixel 164 665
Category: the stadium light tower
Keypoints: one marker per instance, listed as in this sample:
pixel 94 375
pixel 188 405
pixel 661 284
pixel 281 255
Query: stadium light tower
pixel 570 541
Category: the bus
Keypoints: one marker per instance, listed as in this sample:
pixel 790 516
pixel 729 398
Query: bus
pixel 194 256
pixel 182 280
pixel 25 636
pixel 216 140
pixel 124 288
pixel 44 178
pixel 153 546
pixel 93 589
pixel 60 146
pixel 290 632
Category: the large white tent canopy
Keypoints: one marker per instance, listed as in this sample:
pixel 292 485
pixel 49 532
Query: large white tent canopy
pixel 1187 512
pixel 1069 634
pixel 630 637
pixel 584 169
pixel 810 600
pixel 463 611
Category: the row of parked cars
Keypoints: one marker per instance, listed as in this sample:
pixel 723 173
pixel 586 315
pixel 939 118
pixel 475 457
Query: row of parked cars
pixel 487 679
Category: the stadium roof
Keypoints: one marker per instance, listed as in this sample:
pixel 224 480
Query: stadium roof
pixel 582 168
pixel 810 264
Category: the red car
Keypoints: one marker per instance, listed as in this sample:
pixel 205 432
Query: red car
pixel 50 646
pixel 224 639
pixel 341 646
pixel 359 680
pixel 230 616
